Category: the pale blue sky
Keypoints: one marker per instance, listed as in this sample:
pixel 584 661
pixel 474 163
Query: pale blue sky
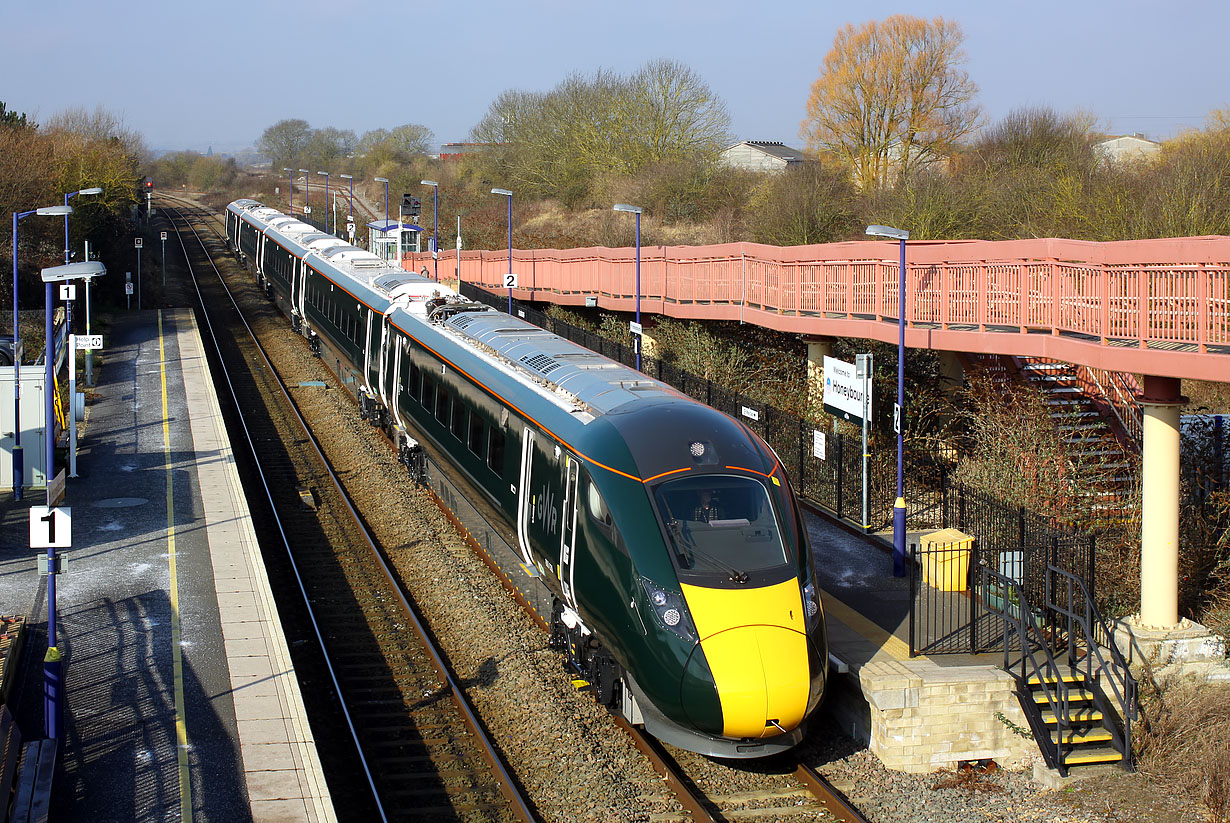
pixel 191 75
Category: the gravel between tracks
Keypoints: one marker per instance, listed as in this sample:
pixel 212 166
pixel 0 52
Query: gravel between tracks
pixel 573 762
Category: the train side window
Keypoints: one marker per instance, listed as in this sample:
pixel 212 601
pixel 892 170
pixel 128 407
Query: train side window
pixel 476 433
pixel 458 422
pixel 415 378
pixel 442 404
pixel 429 391
pixel 495 451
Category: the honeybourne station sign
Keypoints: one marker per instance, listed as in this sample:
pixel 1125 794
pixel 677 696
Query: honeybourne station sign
pixel 844 387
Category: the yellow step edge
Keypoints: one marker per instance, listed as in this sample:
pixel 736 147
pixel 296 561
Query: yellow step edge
pixel 1078 716
pixel 1067 678
pixel 1098 736
pixel 1074 694
pixel 1092 757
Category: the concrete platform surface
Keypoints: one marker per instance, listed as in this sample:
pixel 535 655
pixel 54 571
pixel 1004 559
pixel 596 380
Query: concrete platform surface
pixel 181 700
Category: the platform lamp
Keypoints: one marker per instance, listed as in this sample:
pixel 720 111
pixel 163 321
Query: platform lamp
pixel 290 194
pixel 53 682
pixel 385 180
pixel 435 225
pixel 307 196
pixel 19 468
pixel 326 174
pixel 508 194
pixel 639 338
pixel 349 203
pixel 899 412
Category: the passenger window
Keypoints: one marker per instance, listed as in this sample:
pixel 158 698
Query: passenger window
pixel 458 422
pixel 476 433
pixel 442 404
pixel 415 377
pixel 429 391
pixel 495 452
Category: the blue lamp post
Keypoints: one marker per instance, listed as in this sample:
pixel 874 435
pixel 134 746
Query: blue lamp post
pixel 386 199
pixel 307 195
pixel 349 202
pixel 435 225
pixel 19 469
pixel 290 193
pixel 326 174
pixel 53 692
pixel 637 211
pixel 899 412
pixel 508 194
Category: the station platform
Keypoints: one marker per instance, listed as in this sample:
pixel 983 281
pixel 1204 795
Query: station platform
pixel 181 699
pixel 917 714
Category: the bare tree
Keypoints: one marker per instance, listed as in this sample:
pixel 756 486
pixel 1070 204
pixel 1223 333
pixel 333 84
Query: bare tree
pixel 891 95
pixel 285 141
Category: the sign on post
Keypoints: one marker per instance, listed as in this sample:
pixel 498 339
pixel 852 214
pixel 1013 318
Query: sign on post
pixel 635 327
pixel 128 289
pixel 510 280
pixel 88 342
pixel 68 292
pixel 138 242
pixel 163 238
pixel 843 390
pixel 51 528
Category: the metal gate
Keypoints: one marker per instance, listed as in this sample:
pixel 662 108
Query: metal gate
pixel 955 610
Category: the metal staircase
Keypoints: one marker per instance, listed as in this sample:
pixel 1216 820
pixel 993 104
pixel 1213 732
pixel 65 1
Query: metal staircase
pixel 1096 413
pixel 1079 705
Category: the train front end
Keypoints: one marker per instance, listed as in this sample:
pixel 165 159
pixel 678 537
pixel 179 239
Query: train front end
pixel 727 591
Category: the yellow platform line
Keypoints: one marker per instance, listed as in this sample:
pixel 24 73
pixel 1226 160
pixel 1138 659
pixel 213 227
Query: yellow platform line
pixel 870 631
pixel 177 654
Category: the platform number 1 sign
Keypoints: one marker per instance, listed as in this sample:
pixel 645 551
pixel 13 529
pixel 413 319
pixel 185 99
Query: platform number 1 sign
pixel 51 528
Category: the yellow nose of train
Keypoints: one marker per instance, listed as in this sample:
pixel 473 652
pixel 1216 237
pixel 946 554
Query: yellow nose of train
pixel 755 642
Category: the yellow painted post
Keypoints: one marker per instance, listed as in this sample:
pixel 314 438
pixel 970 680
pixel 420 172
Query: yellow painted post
pixel 1159 530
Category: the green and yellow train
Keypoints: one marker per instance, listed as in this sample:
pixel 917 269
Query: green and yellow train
pixel 667 532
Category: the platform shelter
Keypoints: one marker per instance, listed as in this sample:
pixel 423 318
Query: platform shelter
pixel 393 240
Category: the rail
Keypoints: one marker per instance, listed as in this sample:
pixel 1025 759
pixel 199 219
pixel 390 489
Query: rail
pixel 517 805
pixel 1143 306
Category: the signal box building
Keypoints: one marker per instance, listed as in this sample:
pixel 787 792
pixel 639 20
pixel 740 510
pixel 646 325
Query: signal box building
pixel 393 240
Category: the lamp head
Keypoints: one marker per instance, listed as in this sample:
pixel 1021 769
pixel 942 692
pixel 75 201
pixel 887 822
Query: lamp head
pixel 889 232
pixel 627 208
pixel 54 210
pixel 91 190
pixel 504 192
pixel 305 171
pixel 428 183
pixel 325 173
pixel 346 176
pixel 381 179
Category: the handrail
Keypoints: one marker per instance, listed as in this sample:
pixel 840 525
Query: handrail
pixel 1120 394
pixel 1088 620
pixel 1150 306
pixel 1023 625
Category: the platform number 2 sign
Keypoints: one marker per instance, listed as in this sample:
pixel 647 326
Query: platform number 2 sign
pixel 510 280
pixel 51 528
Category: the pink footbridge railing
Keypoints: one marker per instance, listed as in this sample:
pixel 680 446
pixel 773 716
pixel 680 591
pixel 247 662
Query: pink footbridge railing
pixel 1157 307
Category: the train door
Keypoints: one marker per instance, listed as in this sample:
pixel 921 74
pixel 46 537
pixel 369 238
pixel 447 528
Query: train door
pixel 568 532
pixel 382 373
pixel 260 253
pixel 524 503
pixel 367 350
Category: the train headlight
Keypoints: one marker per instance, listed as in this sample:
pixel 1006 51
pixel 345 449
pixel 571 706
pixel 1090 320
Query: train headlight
pixel 811 604
pixel 671 610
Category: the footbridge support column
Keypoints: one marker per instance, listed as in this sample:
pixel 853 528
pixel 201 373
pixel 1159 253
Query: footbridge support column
pixel 817 349
pixel 1159 531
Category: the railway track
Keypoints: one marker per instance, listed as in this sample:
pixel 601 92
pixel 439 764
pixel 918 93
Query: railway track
pixel 423 753
pixel 783 790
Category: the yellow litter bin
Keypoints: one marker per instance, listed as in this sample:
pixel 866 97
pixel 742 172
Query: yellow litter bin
pixel 945 559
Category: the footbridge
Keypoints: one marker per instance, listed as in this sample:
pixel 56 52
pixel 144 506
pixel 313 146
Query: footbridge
pixel 1155 308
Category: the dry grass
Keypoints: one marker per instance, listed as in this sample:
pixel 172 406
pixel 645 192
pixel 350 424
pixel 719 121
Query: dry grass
pixel 1185 743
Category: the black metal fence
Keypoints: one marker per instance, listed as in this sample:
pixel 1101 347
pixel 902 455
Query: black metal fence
pixel 827 469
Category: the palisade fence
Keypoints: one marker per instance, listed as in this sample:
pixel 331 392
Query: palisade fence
pixel 826 468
